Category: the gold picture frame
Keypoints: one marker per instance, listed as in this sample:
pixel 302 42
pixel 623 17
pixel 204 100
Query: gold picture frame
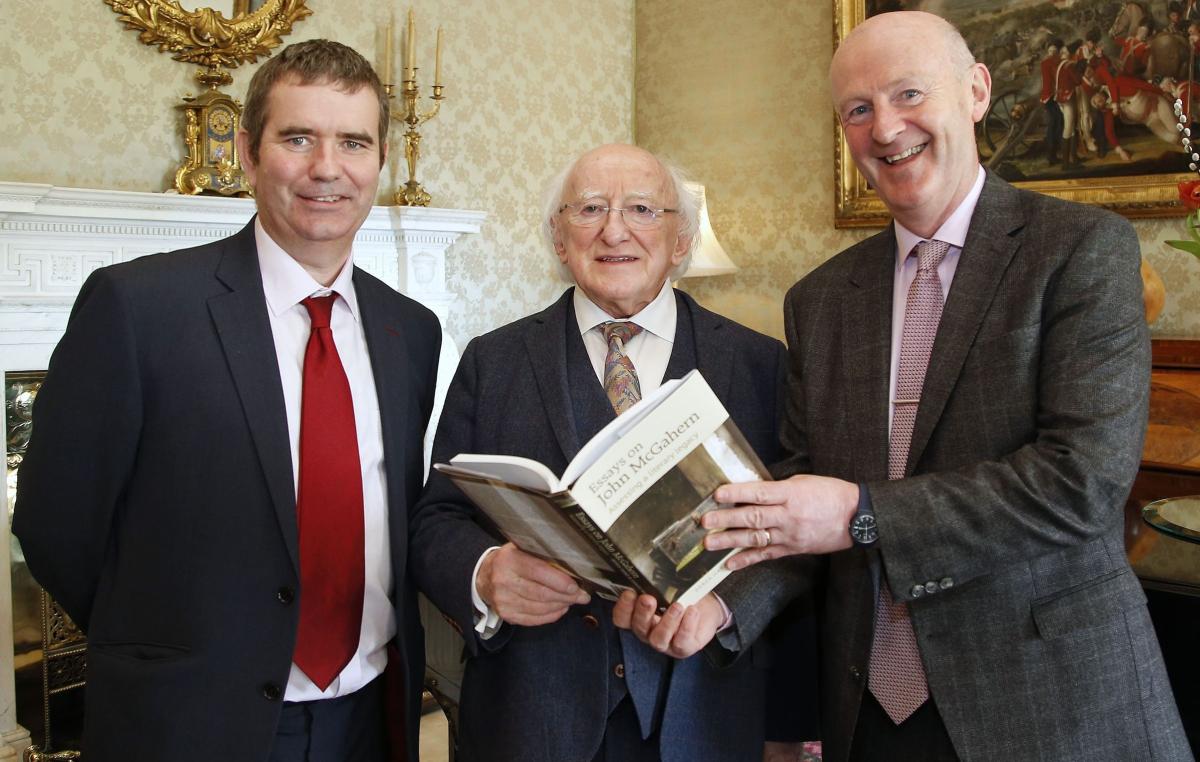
pixel 1144 195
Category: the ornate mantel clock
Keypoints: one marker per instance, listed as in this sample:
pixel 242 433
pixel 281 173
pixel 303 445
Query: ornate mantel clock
pixel 209 39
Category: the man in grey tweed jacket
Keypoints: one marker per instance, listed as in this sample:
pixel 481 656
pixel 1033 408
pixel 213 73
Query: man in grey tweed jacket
pixel 1002 540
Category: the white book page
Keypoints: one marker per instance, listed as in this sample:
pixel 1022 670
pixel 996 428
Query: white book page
pixel 650 448
pixel 522 472
pixel 608 436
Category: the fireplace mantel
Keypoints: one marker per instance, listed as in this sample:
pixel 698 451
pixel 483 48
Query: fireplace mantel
pixel 52 238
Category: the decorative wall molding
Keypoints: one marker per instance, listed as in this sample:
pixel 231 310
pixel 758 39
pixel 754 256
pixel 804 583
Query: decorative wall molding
pixel 52 238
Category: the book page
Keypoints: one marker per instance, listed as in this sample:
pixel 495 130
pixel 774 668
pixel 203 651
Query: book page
pixel 598 446
pixel 660 531
pixel 522 472
pixel 649 449
pixel 539 525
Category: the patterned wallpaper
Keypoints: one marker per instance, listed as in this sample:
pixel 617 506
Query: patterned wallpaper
pixel 529 84
pixel 734 91
pixel 737 92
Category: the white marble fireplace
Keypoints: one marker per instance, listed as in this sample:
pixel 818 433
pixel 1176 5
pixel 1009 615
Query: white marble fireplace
pixel 52 238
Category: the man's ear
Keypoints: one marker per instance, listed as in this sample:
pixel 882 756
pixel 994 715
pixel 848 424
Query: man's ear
pixel 249 165
pixel 383 154
pixel 682 244
pixel 981 91
pixel 556 238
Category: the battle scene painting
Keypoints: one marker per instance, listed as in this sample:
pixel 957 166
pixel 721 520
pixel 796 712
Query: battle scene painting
pixel 1083 92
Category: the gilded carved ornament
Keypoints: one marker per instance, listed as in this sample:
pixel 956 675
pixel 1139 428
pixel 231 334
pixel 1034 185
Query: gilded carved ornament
pixel 207 38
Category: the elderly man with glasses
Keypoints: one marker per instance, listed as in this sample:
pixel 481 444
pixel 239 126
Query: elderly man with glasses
pixel 541 653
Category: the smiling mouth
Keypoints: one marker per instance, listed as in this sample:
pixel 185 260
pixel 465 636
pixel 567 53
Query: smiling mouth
pixel 617 259
pixel 325 199
pixel 905 154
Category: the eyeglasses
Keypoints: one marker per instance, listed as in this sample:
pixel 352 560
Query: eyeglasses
pixel 589 214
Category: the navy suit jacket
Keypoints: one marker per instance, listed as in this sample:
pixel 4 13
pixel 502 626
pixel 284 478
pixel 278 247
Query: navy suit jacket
pixel 511 395
pixel 156 499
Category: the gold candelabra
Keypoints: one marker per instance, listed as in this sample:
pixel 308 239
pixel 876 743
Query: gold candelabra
pixel 412 193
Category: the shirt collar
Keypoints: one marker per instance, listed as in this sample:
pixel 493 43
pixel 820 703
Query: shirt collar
pixel 658 317
pixel 286 283
pixel 953 231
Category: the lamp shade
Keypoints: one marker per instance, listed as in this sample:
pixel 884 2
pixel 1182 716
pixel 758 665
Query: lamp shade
pixel 709 258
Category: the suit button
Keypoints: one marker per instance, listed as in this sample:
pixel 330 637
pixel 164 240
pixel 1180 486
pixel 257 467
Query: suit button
pixel 271 691
pixel 917 591
pixel 946 583
pixel 285 595
pixel 856 673
pixel 591 622
pixel 931 587
pixel 619 671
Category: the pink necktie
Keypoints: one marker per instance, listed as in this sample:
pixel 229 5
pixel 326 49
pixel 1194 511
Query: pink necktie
pixel 329 509
pixel 896 677
pixel 620 379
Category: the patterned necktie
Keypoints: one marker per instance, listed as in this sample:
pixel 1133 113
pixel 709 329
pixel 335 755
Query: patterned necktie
pixel 897 678
pixel 329 509
pixel 620 379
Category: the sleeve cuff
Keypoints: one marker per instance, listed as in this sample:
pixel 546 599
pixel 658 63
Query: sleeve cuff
pixel 727 618
pixel 487 622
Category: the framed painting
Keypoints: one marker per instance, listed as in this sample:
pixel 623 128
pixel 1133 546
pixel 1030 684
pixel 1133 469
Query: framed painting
pixel 1116 68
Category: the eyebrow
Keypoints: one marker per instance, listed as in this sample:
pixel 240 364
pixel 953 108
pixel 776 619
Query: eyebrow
pixel 590 194
pixel 361 137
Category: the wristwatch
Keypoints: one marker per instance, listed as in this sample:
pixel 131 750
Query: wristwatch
pixel 863 529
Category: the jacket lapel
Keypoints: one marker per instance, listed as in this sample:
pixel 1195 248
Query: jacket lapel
pixel 545 343
pixel 389 353
pixel 986 254
pixel 866 352
pixel 244 330
pixel 714 355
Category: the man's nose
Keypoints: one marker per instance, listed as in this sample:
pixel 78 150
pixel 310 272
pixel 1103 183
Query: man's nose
pixel 325 164
pixel 615 230
pixel 886 124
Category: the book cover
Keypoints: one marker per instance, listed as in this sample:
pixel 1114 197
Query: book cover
pixel 626 512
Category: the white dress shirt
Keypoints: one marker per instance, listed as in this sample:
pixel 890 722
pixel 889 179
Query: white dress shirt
pixel 954 232
pixel 285 284
pixel 649 351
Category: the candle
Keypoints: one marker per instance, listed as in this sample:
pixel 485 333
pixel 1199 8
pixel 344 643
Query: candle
pixel 388 69
pixel 437 72
pixel 412 45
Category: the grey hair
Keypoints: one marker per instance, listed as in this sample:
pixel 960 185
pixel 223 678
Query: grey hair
pixel 688 205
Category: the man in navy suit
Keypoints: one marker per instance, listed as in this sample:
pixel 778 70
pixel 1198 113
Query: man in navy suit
pixel 161 496
pixel 541 653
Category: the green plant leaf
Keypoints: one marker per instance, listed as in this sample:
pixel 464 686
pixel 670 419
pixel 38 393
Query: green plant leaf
pixel 1191 247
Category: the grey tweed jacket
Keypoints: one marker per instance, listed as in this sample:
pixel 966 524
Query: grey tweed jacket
pixel 1006 536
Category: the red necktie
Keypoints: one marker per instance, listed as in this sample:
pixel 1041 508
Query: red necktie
pixel 329 508
pixel 896 677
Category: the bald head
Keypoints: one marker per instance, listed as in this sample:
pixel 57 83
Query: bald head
pixel 924 33
pixel 908 94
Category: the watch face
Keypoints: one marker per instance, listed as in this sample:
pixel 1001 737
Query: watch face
pixel 863 529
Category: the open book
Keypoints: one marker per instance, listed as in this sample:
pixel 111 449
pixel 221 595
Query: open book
pixel 626 512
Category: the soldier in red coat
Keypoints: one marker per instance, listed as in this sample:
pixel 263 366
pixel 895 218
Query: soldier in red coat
pixel 1135 51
